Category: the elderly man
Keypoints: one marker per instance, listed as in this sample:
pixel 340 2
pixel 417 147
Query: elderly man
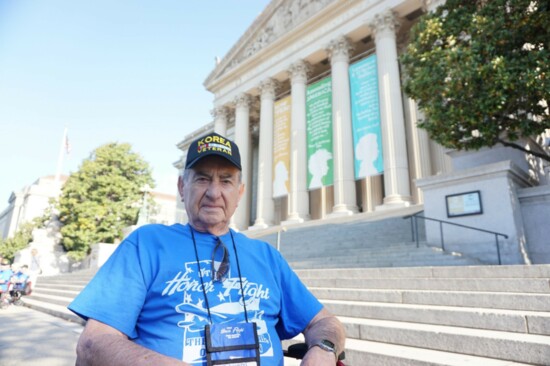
pixel 201 293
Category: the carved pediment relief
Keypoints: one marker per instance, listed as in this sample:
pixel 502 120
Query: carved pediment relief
pixel 279 18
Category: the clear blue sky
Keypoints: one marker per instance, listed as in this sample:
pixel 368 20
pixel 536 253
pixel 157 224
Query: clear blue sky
pixel 110 71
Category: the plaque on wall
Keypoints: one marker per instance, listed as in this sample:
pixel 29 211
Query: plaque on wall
pixel 464 204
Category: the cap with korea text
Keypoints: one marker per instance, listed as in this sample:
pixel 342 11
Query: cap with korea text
pixel 213 144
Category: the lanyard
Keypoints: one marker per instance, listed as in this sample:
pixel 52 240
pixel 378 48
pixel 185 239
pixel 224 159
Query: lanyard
pixel 202 281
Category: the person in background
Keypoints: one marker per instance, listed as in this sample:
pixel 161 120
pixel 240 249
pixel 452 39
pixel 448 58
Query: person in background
pixel 5 276
pixel 170 295
pixel 21 284
pixel 35 269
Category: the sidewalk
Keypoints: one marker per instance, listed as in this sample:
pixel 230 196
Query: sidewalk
pixel 31 338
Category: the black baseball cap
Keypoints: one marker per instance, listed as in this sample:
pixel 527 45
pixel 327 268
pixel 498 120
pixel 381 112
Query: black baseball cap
pixel 213 144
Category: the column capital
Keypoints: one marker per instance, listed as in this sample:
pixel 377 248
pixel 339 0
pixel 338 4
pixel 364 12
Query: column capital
pixel 299 71
pixel 339 49
pixel 243 100
pixel 268 88
pixel 385 23
pixel 220 112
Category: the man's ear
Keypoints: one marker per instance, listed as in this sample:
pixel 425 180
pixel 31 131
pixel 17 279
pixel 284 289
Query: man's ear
pixel 180 187
pixel 241 191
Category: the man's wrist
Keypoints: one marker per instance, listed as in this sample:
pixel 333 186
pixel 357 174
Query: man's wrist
pixel 326 346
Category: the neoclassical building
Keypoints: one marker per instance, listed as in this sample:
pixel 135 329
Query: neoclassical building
pixel 312 95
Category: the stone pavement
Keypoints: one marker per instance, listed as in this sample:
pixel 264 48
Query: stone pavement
pixel 32 338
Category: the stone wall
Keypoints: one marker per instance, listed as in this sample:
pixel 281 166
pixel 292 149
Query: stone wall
pixel 535 208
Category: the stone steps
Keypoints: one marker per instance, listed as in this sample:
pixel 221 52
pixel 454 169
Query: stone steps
pixel 523 348
pixel 43 296
pixel 533 285
pixel 505 271
pixel 385 354
pixel 387 261
pixel 518 321
pixel 348 243
pixel 478 315
pixel 48 307
pixel 474 299
pixel 418 316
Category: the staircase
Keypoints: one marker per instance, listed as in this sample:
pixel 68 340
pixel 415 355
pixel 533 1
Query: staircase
pixel 401 305
pixel 363 240
pixel 469 315
pixel 410 316
pixel 52 294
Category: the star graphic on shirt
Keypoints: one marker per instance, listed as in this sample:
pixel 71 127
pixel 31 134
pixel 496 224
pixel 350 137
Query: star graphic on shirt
pixel 220 296
pixel 187 298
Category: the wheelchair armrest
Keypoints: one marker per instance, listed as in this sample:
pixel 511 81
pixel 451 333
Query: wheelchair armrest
pixel 297 350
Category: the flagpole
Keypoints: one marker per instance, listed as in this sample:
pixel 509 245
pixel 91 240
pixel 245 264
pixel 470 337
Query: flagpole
pixel 60 157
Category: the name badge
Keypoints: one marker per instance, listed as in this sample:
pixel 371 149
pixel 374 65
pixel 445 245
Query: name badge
pixel 233 343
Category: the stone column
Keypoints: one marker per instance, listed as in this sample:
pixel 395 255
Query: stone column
pixel 265 206
pixel 344 176
pixel 396 169
pixel 419 149
pixel 242 139
pixel 440 160
pixel 298 198
pixel 372 192
pixel 221 116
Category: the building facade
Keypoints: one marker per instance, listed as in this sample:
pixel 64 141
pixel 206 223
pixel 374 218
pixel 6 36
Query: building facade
pixel 28 203
pixel 312 95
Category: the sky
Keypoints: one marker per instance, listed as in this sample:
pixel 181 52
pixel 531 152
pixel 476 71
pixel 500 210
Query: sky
pixel 126 71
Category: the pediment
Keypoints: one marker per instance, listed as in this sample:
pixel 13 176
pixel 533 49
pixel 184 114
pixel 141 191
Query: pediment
pixel 277 19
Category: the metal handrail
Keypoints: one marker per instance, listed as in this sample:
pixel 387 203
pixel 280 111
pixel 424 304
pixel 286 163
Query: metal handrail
pixel 414 230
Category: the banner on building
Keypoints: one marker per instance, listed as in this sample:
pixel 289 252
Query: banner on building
pixel 281 147
pixel 319 134
pixel 365 116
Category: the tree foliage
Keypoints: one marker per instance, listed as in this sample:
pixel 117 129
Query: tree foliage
pixel 102 198
pixel 480 72
pixel 23 236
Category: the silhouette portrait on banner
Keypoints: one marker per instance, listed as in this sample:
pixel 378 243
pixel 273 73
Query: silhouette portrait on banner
pixel 280 187
pixel 367 153
pixel 318 167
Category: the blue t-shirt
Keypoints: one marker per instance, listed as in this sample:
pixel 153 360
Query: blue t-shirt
pixel 5 277
pixel 150 290
pixel 19 280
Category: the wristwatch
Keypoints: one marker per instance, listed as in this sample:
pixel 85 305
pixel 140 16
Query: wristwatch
pixel 326 345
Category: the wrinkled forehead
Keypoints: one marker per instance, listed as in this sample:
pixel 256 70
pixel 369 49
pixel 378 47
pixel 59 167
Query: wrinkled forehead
pixel 217 164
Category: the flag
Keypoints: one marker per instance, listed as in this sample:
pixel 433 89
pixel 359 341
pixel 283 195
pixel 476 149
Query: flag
pixel 67 145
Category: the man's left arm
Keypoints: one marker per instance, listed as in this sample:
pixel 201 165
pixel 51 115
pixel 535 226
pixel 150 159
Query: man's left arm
pixel 323 327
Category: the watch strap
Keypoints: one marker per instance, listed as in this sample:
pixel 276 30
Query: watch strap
pixel 326 345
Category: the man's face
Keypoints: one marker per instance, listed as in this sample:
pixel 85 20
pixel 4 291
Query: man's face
pixel 211 193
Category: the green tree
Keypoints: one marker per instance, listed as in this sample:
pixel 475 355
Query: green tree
pixel 480 72
pixel 102 198
pixel 22 237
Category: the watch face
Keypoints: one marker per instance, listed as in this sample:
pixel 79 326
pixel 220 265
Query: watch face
pixel 328 345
